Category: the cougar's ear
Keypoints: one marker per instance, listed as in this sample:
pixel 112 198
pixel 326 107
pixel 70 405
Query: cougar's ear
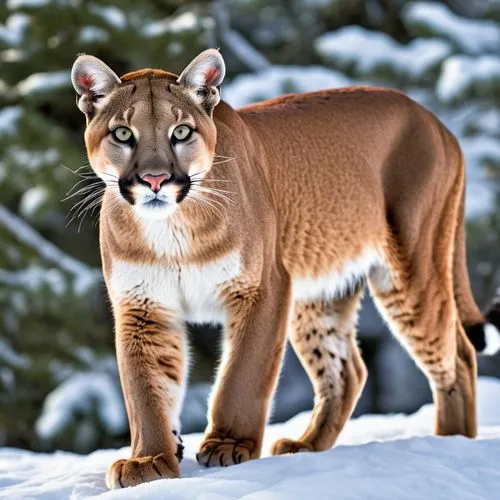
pixel 203 77
pixel 92 80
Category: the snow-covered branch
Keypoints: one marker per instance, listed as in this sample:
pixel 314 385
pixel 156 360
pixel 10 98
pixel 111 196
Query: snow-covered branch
pixel 245 52
pixel 34 278
pixel 23 232
pixel 235 42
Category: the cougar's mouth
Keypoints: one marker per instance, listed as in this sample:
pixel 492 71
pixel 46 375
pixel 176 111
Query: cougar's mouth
pixel 155 203
pixel 151 198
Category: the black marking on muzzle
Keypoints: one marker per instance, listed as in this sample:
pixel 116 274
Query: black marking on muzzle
pixel 124 186
pixel 185 181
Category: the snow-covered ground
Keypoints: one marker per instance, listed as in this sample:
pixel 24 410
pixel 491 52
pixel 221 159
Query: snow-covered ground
pixel 378 457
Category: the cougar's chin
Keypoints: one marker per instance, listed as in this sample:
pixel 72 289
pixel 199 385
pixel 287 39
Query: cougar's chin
pixel 155 208
pixel 157 212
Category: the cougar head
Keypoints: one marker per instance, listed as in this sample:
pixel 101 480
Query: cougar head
pixel 150 133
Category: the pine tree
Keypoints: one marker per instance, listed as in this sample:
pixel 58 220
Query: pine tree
pixel 54 313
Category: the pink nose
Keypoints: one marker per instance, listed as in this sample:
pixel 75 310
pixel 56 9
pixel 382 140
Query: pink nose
pixel 155 181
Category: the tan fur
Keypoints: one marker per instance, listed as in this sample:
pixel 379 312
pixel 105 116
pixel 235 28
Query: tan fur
pixel 334 187
pixel 323 335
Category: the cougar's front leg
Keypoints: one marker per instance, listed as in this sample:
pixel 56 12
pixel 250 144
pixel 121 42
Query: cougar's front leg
pixel 255 334
pixel 151 351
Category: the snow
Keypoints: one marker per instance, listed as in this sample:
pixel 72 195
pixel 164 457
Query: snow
pixel 184 22
pixel 11 55
pixel 462 75
pixel 479 198
pixel 245 52
pixel 11 357
pixel 114 16
pixel 278 80
pixel 369 52
pixel 19 4
pixel 40 82
pixel 318 3
pixel 12 32
pixel 89 34
pixel 33 160
pixel 479 151
pixel 378 457
pixel 84 276
pixel 488 121
pixel 9 117
pixel 33 200
pixel 81 394
pixel 470 35
pixel 34 278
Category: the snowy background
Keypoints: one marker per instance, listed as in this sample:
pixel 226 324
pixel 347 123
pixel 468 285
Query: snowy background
pixel 58 379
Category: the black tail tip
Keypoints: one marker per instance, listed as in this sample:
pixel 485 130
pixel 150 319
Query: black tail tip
pixel 476 336
pixel 485 337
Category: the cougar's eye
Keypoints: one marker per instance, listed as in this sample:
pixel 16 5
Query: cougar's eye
pixel 122 134
pixel 181 133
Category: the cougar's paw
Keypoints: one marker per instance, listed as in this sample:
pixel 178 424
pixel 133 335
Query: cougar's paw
pixel 283 446
pixel 124 473
pixel 225 451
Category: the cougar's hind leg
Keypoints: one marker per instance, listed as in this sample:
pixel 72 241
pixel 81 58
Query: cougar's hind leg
pixel 323 335
pixel 415 294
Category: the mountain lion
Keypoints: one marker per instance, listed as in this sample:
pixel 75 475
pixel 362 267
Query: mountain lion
pixel 271 220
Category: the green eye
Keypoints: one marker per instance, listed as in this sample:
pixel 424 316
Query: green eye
pixel 122 134
pixel 182 132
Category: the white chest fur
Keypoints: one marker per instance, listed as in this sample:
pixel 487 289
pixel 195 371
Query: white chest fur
pixel 192 291
pixel 166 238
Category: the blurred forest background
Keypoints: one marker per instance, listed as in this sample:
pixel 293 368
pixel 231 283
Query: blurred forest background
pixel 58 380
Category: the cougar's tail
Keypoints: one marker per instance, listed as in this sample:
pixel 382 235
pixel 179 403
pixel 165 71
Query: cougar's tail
pixel 483 330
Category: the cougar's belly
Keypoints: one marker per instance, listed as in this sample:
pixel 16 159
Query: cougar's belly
pixel 328 256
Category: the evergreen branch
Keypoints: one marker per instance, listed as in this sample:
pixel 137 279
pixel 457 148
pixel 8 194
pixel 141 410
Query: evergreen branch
pixel 23 232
